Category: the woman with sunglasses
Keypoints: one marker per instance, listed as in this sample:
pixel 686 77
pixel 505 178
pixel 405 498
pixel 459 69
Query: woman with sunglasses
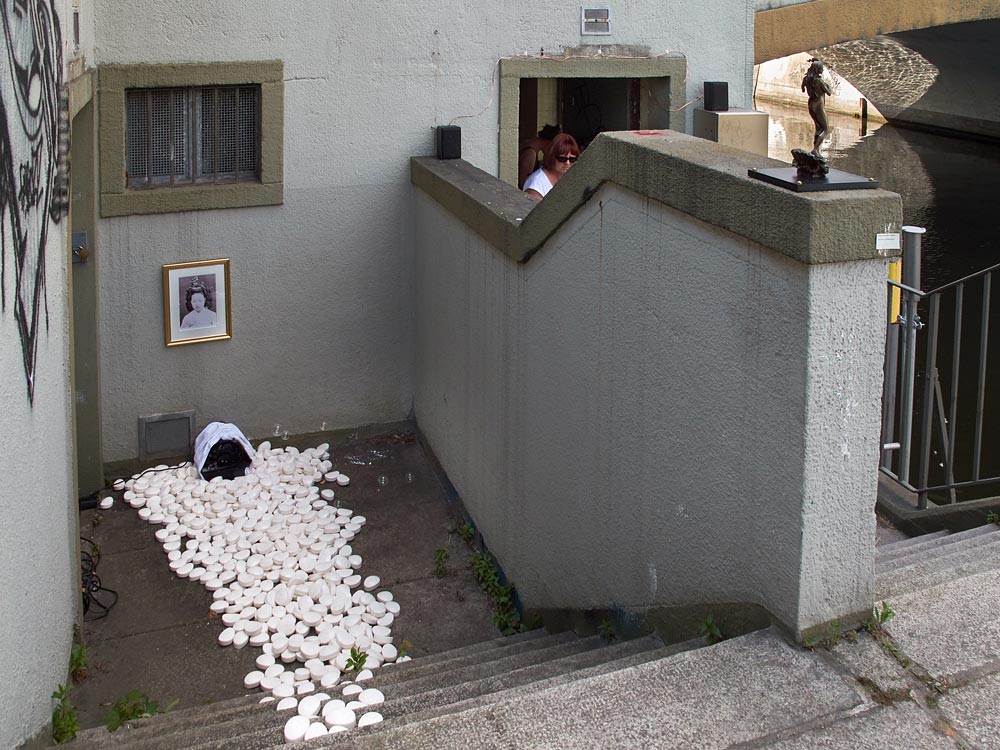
pixel 559 157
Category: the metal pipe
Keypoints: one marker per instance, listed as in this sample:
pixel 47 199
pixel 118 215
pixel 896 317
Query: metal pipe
pixel 927 417
pixel 956 353
pixel 911 278
pixel 984 337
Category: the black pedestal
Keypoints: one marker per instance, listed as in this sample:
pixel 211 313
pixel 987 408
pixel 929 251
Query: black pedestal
pixel 788 177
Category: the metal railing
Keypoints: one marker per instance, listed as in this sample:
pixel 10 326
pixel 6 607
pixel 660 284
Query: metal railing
pixel 947 405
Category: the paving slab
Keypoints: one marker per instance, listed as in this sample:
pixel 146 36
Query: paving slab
pixel 881 676
pixel 950 628
pixel 901 726
pixel 972 710
pixel 735 691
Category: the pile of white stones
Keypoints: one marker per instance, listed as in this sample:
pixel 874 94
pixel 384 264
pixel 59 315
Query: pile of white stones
pixel 277 556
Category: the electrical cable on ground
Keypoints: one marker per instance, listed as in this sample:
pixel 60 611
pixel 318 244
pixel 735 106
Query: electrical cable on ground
pixel 97 600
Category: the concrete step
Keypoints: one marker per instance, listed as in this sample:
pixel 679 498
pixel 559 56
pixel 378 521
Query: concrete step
pixel 936 570
pixel 259 723
pixel 448 663
pixel 728 695
pixel 616 658
pixel 928 555
pixel 921 545
pixel 235 708
pixel 905 543
pixel 253 731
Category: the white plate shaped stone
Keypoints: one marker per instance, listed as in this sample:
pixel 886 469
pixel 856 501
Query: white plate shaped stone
pixel 364 674
pixel 350 690
pixel 340 717
pixel 371 697
pixel 343 480
pixel 366 720
pixel 296 728
pixel 316 729
pixel 310 706
pixel 107 502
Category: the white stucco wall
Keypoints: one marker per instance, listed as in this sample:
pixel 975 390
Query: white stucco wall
pixel 322 286
pixel 654 411
pixel 37 499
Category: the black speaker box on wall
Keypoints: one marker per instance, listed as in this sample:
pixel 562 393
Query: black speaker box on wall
pixel 449 141
pixel 716 96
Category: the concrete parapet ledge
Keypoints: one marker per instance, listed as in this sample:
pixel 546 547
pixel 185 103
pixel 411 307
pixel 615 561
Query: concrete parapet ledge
pixel 700 178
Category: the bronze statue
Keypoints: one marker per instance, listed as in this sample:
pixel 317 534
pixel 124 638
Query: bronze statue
pixel 811 163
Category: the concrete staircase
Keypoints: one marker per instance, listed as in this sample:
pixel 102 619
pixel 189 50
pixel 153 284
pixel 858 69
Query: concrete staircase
pixel 417 691
pixel 925 561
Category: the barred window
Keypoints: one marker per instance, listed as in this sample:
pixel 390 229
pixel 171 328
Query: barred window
pixel 195 135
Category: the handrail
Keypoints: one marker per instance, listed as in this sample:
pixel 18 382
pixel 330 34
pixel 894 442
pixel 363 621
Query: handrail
pixel 962 280
pixel 937 410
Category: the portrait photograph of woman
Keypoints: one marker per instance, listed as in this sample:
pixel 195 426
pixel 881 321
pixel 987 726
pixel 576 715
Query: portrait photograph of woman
pixel 196 301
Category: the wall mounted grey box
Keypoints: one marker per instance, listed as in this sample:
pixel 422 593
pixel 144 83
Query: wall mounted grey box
pixel 716 96
pixel 449 141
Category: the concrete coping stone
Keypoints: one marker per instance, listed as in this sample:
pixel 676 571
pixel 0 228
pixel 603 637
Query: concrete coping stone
pixel 698 177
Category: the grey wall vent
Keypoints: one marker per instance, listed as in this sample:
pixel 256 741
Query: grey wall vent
pixel 595 21
pixel 163 435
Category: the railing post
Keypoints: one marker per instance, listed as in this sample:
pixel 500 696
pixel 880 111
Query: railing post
pixel 911 278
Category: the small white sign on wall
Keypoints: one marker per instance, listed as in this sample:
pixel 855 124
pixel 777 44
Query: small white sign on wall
pixel 885 242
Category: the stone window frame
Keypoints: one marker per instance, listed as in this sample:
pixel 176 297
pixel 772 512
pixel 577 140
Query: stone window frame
pixel 512 70
pixel 117 199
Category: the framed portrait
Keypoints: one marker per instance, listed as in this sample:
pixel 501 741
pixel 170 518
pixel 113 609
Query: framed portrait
pixel 196 302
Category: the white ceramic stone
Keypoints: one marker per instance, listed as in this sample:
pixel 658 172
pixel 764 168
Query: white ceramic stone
pixel 330 678
pixel 371 697
pixel 310 706
pixel 343 480
pixel 327 494
pixel 108 501
pixel 316 729
pixel 226 637
pixel 332 705
pixel 350 690
pixel 283 690
pixel 364 674
pixel 252 679
pixel 340 717
pixel 296 728
pixel 264 661
pixel 372 717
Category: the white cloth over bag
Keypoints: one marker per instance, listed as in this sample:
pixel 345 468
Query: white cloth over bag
pixel 212 434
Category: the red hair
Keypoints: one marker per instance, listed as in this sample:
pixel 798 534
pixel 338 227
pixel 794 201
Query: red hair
pixel 562 145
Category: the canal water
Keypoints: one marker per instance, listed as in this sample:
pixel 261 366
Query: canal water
pixel 951 187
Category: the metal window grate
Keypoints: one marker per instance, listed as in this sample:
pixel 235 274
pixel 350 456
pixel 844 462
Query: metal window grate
pixel 595 21
pixel 180 136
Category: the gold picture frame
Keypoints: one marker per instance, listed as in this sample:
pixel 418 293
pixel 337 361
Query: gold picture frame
pixel 196 302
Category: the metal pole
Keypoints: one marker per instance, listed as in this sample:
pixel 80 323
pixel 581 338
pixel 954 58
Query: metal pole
pixel 984 340
pixel 930 379
pixel 889 388
pixel 911 278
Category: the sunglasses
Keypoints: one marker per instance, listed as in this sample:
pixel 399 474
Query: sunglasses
pixel 567 159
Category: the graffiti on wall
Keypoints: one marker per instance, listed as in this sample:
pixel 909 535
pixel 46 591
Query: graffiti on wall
pixel 32 153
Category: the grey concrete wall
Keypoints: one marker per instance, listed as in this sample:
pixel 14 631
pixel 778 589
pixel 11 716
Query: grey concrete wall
pixel 655 411
pixel 322 301
pixel 37 501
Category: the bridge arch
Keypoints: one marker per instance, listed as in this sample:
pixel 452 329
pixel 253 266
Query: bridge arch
pixel 820 23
